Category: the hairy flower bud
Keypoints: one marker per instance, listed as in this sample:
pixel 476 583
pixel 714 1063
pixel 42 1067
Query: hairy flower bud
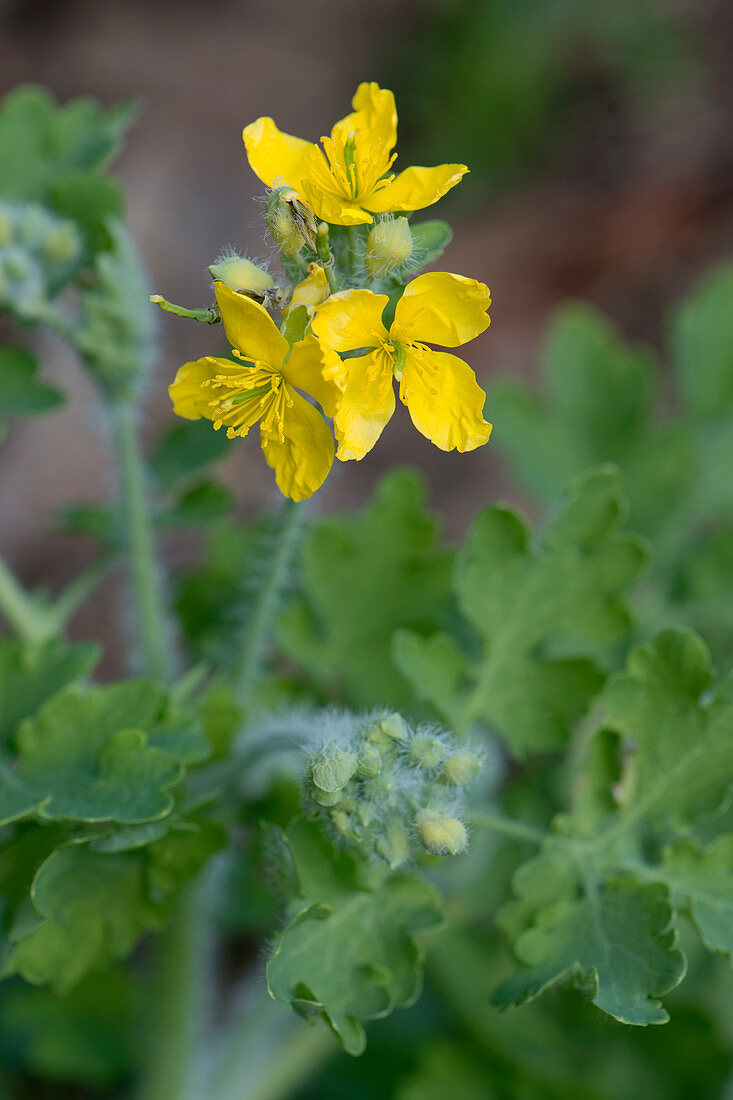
pixel 291 223
pixel 389 246
pixel 241 274
pixel 441 835
pixel 460 768
pixel 426 751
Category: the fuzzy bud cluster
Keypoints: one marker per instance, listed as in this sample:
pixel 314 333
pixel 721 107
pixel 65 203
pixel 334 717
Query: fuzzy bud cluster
pixel 390 791
pixel 389 246
pixel 39 253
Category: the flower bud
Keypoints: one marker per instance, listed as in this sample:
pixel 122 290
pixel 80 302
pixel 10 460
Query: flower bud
pixel 393 845
pixel 369 762
pixel 241 274
pixel 62 245
pixel 426 751
pixel 325 798
pixel 291 223
pixel 394 726
pixel 332 768
pixel 389 245
pixel 440 835
pixel 460 768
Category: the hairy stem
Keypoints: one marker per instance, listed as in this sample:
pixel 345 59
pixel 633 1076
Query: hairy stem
pixel 249 661
pixel 508 827
pixel 176 995
pixel 145 580
pixel 268 1053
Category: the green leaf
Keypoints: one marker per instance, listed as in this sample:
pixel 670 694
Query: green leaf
pixel 201 504
pixel 44 143
pixel 522 600
pixel 93 907
pixel 682 767
pixel 702 344
pixel 21 392
pixel 430 240
pixel 31 675
pixel 349 953
pixel 362 577
pixel 87 757
pixel 617 941
pixel 115 336
pixel 91 201
pixel 600 901
pixel 702 885
pixel 185 450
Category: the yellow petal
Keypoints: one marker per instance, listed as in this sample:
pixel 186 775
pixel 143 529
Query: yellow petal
pixel 250 328
pixel 276 158
pixel 332 208
pixel 301 461
pixel 366 405
pixel 445 400
pixel 439 308
pixel 305 369
pixel 415 188
pixel 351 319
pixel 374 114
pixel 189 396
pixel 311 291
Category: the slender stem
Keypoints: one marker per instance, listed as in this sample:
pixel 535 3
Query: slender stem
pixel 323 249
pixel 177 991
pixel 146 583
pixel 268 1053
pixel 248 663
pixel 209 316
pixel 18 608
pixel 507 826
pixel 352 233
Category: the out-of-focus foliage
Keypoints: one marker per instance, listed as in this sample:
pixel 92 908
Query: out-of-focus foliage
pixel 600 401
pixel 524 67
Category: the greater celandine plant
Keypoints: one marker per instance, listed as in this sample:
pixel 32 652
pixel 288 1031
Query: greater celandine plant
pixel 345 738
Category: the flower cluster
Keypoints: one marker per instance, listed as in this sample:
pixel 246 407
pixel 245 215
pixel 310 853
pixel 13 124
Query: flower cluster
pixel 391 792
pixel 351 320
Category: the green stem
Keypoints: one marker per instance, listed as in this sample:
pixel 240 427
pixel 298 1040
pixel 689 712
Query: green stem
pixel 323 249
pixel 176 996
pixel 507 826
pixel 208 316
pixel 27 619
pixel 269 1054
pixel 352 234
pixel 249 661
pixel 146 583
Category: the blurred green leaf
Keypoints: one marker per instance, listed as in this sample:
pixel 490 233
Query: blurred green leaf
pixel 185 450
pixel 87 757
pixel 349 953
pixel 363 577
pixel 520 599
pixel 31 675
pixel 21 392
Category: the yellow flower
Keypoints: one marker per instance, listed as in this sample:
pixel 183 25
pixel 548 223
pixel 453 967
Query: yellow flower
pixel 349 179
pixel 311 291
pixel 262 385
pixel 440 390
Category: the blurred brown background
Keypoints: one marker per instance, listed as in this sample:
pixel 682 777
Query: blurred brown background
pixel 598 135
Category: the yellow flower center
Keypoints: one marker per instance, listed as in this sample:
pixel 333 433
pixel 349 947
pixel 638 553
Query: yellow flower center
pixel 354 166
pixel 247 393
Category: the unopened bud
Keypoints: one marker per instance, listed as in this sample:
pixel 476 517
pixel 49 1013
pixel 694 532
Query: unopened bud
pixel 332 769
pixel 394 726
pixel 370 762
pixel 393 845
pixel 389 245
pixel 460 768
pixel 291 223
pixel 325 798
pixel 426 751
pixel 440 835
pixel 241 274
pixel 62 244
